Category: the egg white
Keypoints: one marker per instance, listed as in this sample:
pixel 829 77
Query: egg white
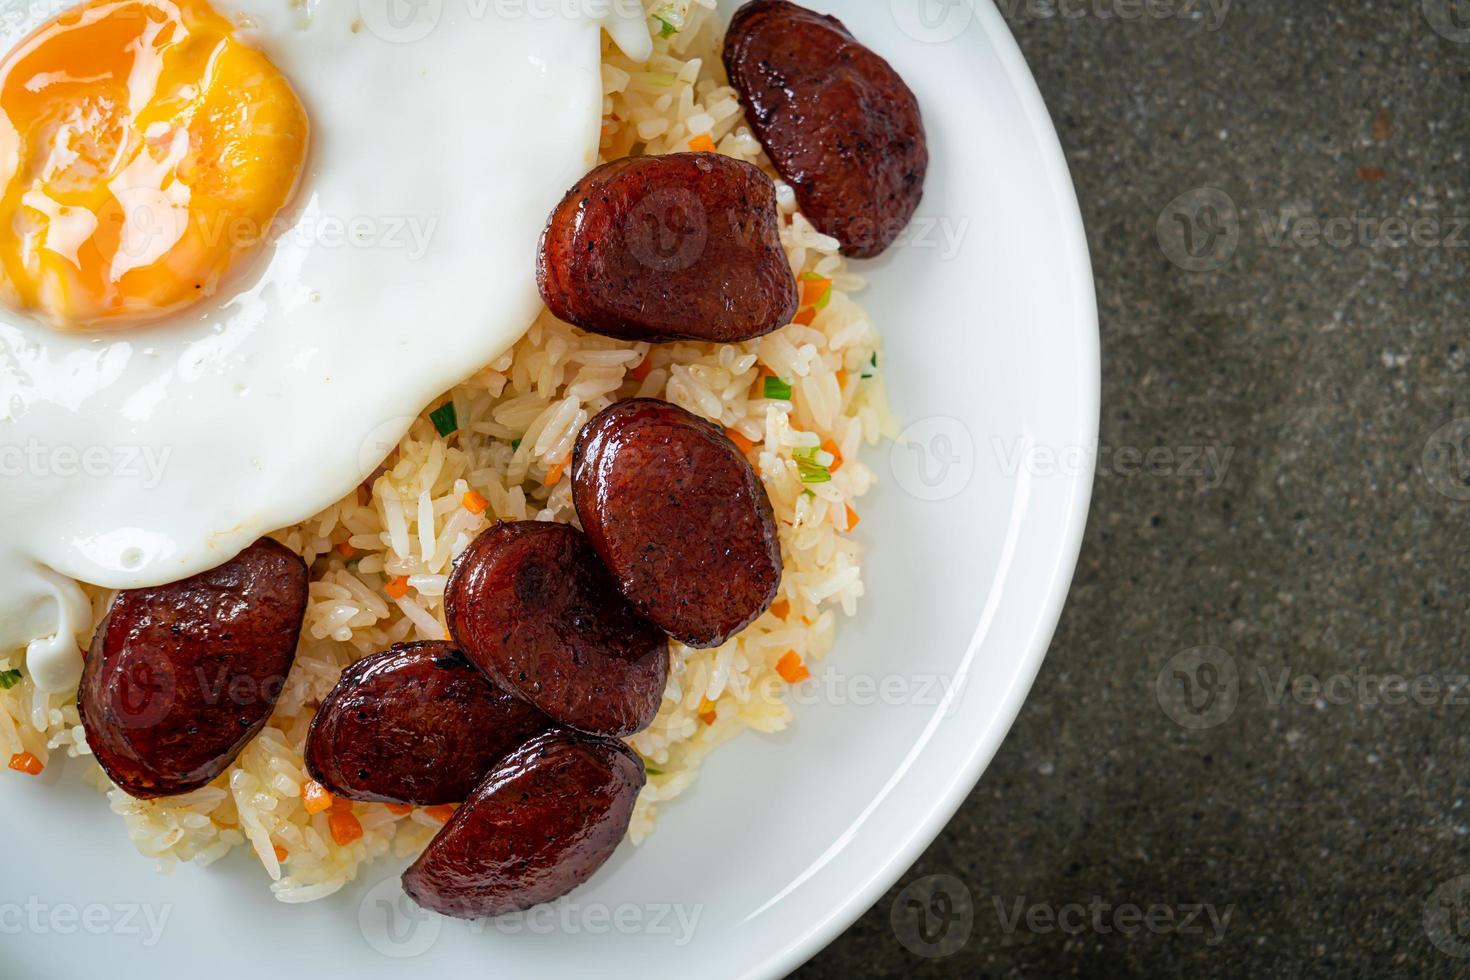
pixel 440 143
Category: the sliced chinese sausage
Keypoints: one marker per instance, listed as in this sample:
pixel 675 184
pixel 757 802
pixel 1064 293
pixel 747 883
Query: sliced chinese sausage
pixel 837 121
pixel 416 724
pixel 540 824
pixel 530 604
pixel 181 677
pixel 679 517
pixel 655 248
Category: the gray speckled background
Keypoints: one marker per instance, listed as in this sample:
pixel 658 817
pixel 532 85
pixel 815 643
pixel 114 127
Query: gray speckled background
pixel 1302 790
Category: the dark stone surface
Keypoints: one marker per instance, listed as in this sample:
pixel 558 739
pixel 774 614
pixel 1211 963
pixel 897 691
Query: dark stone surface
pixel 1330 549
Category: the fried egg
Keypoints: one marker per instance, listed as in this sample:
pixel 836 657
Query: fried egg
pixel 243 243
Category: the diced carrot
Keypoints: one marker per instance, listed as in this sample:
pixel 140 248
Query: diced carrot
pixel 806 317
pixel 831 447
pixel 27 763
pixel 441 813
pixel 791 669
pixel 474 503
pixel 738 438
pixel 642 371
pixel 341 804
pixel 399 809
pixel 398 587
pixel 346 550
pixel 345 827
pixel 281 852
pixel 553 475
pixel 812 290
pixel 853 520
pixel 781 608
pixel 315 798
pixel 702 143
pixel 842 379
pixel 707 713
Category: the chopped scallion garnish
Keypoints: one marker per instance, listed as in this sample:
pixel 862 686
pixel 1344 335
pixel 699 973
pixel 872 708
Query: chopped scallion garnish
pixel 778 389
pixel 811 472
pixel 445 419
pixel 670 18
pixel 8 679
pixel 515 445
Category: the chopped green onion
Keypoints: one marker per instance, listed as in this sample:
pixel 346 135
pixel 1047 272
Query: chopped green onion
pixel 875 359
pixel 671 18
pixel 805 454
pixel 778 389
pixel 809 493
pixel 515 445
pixel 822 303
pixel 652 770
pixel 8 679
pixel 445 419
pixel 813 472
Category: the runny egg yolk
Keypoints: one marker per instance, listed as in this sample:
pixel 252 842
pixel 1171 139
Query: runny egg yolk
pixel 144 150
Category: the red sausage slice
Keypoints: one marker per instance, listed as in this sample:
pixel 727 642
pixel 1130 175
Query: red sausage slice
pixel 837 121
pixel 683 246
pixel 540 825
pixel 181 677
pixel 679 517
pixel 531 605
pixel 417 724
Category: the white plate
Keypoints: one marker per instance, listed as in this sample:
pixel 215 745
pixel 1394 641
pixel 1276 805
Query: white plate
pixel 785 840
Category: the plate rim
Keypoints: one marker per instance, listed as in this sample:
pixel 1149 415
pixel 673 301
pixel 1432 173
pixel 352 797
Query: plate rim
pixel 1077 263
